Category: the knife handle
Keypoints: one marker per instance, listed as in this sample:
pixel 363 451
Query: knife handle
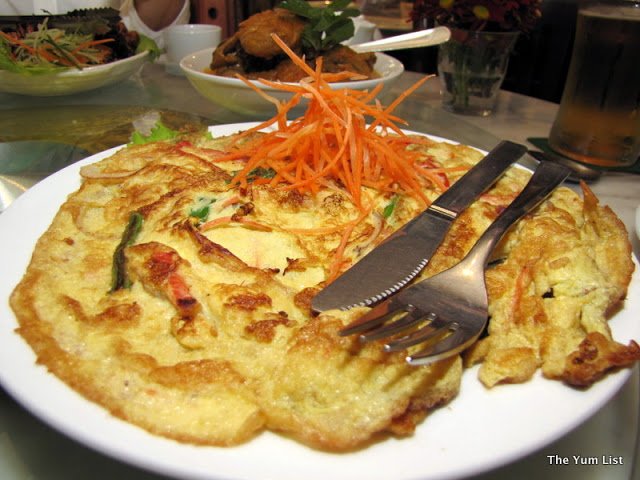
pixel 478 179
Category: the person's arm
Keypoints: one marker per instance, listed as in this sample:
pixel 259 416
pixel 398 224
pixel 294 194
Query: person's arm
pixel 158 14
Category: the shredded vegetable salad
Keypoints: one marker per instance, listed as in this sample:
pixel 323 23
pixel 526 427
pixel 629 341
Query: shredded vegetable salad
pixel 45 47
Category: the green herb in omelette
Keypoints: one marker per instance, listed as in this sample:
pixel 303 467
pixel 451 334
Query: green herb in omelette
pixel 119 278
pixel 201 209
pixel 391 206
pixel 261 172
pixel 258 172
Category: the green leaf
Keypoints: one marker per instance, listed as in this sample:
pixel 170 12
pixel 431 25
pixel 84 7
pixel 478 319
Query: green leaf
pixel 119 278
pixel 327 26
pixel 338 33
pixel 201 213
pixel 300 7
pixel 7 63
pixel 149 44
pixel 350 12
pixel 338 5
pixel 391 206
pixel 202 208
pixel 324 21
pixel 310 39
pixel 261 172
pixel 158 133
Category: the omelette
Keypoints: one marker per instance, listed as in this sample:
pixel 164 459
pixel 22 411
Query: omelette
pixel 173 288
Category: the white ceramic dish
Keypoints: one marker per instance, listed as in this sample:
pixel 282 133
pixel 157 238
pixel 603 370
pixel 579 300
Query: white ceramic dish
pixel 71 81
pixel 235 95
pixel 638 221
pixel 479 430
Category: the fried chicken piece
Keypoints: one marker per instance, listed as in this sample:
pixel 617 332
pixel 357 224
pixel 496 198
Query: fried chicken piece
pixel 226 55
pixel 341 58
pixel 255 32
pixel 252 52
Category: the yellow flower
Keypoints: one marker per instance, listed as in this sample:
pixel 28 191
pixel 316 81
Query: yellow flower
pixel 481 12
pixel 446 4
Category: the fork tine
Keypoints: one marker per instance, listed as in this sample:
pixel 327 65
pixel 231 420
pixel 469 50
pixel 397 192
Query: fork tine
pixel 435 330
pixel 373 318
pixel 446 348
pixel 412 317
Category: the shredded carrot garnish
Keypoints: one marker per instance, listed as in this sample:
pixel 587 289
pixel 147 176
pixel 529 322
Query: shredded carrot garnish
pixel 338 256
pixel 230 201
pixel 344 137
pixel 345 140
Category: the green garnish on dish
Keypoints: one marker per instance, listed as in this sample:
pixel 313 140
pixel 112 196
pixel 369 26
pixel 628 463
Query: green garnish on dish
pixel 327 26
pixel 119 278
pixel 159 132
pixel 391 206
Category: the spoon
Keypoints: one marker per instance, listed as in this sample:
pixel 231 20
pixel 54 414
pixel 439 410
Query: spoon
pixel 421 38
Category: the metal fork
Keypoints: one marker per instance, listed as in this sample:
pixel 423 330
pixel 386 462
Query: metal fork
pixel 449 311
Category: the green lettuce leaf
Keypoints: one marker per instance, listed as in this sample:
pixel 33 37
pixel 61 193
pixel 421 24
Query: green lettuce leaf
pixel 158 133
pixel 149 44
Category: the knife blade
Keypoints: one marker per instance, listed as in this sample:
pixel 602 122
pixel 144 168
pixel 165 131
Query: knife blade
pixel 403 255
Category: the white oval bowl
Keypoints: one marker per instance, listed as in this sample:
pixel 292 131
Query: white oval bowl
pixel 71 80
pixel 233 94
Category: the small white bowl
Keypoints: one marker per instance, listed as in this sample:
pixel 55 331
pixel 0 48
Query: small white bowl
pixel 235 95
pixel 71 80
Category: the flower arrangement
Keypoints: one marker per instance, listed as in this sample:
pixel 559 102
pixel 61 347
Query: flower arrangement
pixel 479 15
pixel 472 64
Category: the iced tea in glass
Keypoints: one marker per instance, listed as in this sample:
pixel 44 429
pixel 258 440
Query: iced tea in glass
pixel 599 117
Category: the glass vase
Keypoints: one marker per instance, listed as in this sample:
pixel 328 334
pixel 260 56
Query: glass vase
pixel 472 66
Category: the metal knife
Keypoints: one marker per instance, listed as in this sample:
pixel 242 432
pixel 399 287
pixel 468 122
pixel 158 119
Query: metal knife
pixel 401 257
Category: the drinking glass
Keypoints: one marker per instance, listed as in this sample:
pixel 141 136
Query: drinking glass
pixel 598 121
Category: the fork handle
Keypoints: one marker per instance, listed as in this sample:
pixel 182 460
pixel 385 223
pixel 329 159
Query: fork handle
pixel 546 178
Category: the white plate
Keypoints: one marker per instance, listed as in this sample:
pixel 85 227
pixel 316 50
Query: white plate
pixel 71 80
pixel 235 95
pixel 638 221
pixel 479 430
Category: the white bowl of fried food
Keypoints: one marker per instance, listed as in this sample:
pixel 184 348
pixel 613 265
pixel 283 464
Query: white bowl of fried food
pixel 235 95
pixel 240 74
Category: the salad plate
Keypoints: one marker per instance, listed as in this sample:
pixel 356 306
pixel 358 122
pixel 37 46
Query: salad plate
pixel 70 81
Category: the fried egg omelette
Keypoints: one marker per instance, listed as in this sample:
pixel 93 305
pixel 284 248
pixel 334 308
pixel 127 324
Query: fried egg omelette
pixel 212 340
pixel 174 286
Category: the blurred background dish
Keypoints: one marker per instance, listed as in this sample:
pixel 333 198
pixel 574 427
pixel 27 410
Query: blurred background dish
pixel 72 80
pixel 235 95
